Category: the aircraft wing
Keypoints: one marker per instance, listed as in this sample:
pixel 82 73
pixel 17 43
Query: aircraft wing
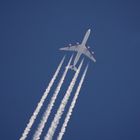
pixel 89 55
pixel 71 48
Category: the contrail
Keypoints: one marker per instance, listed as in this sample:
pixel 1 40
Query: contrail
pixel 40 104
pixel 51 104
pixel 61 108
pixel 67 118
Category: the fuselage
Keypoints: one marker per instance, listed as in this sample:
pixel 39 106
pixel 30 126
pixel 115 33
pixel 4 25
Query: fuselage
pixel 82 46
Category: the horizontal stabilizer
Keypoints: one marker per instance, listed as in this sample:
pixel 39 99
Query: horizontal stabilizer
pixel 72 67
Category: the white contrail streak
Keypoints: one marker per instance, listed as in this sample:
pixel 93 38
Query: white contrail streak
pixel 50 106
pixel 67 118
pixel 61 108
pixel 40 104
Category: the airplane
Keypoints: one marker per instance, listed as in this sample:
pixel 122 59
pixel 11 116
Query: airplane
pixel 80 49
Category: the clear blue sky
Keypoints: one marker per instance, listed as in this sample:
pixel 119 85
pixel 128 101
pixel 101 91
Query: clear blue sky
pixel 31 32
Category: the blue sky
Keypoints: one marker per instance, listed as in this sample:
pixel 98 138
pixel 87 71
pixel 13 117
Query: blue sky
pixel 31 32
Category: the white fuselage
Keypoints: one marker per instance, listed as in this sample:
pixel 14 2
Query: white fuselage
pixel 81 48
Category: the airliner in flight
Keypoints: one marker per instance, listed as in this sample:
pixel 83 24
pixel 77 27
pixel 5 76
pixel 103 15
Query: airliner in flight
pixel 80 49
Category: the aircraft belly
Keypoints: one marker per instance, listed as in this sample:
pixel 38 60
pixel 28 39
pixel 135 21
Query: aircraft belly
pixel 77 58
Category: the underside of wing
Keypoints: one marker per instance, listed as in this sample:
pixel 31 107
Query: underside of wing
pixel 89 55
pixel 71 48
